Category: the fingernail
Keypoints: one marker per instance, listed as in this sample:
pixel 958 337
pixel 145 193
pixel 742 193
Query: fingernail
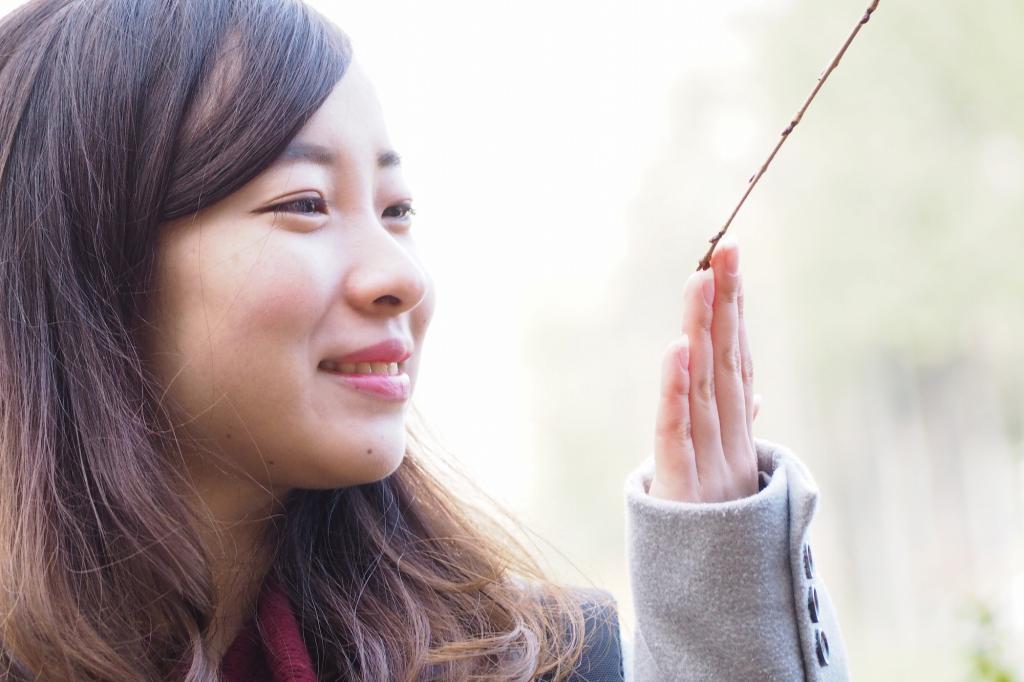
pixel 709 287
pixel 732 260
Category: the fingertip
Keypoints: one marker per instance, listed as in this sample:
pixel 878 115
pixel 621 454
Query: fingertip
pixel 692 283
pixel 683 352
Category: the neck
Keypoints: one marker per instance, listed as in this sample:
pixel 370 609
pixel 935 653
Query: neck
pixel 239 565
pixel 238 530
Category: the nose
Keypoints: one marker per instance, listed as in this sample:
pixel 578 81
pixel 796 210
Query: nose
pixel 386 278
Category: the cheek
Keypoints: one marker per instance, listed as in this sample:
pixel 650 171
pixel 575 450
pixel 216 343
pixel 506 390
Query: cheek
pixel 254 312
pixel 236 326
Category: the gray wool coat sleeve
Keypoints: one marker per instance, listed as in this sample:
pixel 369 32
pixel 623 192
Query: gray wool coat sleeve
pixel 729 590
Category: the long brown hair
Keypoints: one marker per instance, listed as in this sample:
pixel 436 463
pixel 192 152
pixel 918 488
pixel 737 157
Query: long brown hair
pixel 117 116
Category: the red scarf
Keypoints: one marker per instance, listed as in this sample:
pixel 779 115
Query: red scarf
pixel 282 658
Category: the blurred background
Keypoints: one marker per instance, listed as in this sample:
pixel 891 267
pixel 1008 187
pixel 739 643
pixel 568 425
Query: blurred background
pixel 570 159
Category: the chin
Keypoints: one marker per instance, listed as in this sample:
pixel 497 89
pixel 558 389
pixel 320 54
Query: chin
pixel 382 463
pixel 365 465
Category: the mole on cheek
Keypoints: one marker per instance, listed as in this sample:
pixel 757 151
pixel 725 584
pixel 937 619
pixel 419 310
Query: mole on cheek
pixel 370 451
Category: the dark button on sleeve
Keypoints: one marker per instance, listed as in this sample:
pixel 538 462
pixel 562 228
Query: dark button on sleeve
pixel 812 603
pixel 821 645
pixel 808 562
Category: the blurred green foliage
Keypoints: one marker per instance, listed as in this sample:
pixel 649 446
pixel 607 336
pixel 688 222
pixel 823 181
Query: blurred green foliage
pixel 986 651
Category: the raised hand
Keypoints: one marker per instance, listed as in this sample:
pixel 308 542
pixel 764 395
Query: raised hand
pixel 704 439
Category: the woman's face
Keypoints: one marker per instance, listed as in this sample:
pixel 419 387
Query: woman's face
pixel 251 299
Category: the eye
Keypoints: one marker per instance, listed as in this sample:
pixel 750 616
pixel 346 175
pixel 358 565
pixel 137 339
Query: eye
pixel 404 211
pixel 302 206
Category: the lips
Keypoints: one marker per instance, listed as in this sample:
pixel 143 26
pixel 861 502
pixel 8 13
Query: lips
pixel 390 350
pixel 391 388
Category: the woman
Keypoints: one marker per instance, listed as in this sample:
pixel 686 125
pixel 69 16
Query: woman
pixel 208 271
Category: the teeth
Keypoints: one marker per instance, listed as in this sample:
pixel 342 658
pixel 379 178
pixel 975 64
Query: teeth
pixel 384 368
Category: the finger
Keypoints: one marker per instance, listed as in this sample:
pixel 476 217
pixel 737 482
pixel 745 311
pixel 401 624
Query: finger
pixel 757 406
pixel 747 371
pixel 697 320
pixel 725 335
pixel 675 465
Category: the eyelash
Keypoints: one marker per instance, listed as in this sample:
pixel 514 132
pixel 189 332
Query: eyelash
pixel 320 206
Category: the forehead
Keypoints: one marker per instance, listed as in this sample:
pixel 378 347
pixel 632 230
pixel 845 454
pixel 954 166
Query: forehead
pixel 350 122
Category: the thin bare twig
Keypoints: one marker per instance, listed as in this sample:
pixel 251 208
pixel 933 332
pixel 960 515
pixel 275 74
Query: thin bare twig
pixel 705 262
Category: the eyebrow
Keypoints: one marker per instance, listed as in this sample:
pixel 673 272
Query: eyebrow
pixel 324 156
